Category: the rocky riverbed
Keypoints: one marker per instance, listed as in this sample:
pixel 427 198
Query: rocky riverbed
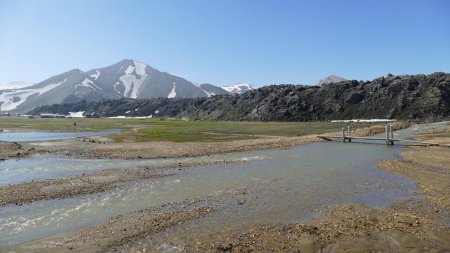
pixel 87 183
pixel 90 183
pixel 416 225
pixel 15 150
pixel 420 225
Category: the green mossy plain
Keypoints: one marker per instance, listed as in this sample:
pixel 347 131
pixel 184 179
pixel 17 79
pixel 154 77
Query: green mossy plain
pixel 142 130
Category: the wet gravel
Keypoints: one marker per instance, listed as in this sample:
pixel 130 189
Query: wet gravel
pixel 416 225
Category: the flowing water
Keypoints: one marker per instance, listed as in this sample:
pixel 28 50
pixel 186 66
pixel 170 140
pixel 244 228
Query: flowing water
pixel 282 185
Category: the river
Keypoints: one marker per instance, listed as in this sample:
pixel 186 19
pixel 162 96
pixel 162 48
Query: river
pixel 22 135
pixel 282 185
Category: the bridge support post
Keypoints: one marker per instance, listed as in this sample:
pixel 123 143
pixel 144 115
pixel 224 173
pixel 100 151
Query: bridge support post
pixel 386 130
pixel 391 137
pixel 348 134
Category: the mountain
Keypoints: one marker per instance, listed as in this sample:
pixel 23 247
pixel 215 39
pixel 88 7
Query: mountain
pixel 392 97
pixel 331 79
pixel 14 85
pixel 212 90
pixel 125 79
pixel 238 88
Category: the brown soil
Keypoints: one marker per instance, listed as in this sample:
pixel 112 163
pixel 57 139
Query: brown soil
pixel 10 150
pixel 147 150
pixel 351 228
pixel 434 131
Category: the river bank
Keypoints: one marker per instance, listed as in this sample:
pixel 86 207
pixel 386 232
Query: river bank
pixel 87 183
pixel 419 225
pixel 91 148
pixel 15 150
pixel 415 225
pixel 91 183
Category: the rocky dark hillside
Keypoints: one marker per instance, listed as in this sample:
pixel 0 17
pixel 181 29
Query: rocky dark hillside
pixel 331 79
pixel 399 97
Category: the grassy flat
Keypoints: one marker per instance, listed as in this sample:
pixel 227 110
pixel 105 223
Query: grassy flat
pixel 141 130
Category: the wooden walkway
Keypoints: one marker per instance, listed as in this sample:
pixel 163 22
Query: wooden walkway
pixel 389 138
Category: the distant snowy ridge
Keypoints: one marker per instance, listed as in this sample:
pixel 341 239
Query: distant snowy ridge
pixel 14 85
pixel 239 88
pixel 125 79
pixel 211 90
pixel 11 99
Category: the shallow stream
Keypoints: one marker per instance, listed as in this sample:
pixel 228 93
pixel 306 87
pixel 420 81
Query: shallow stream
pixel 281 185
pixel 48 136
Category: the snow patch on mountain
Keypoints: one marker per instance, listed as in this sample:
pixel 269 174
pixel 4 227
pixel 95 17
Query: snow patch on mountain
pixel 172 93
pixel 129 70
pixel 140 68
pixel 13 98
pixel 96 75
pixel 133 82
pixel 238 88
pixel 14 85
pixel 88 84
pixel 209 94
pixel 79 114
pixel 116 85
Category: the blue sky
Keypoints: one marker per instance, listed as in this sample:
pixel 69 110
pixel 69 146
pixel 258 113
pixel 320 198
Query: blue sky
pixel 226 41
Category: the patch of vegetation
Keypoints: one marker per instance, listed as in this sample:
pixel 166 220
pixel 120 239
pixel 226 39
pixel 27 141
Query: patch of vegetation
pixel 69 125
pixel 142 130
